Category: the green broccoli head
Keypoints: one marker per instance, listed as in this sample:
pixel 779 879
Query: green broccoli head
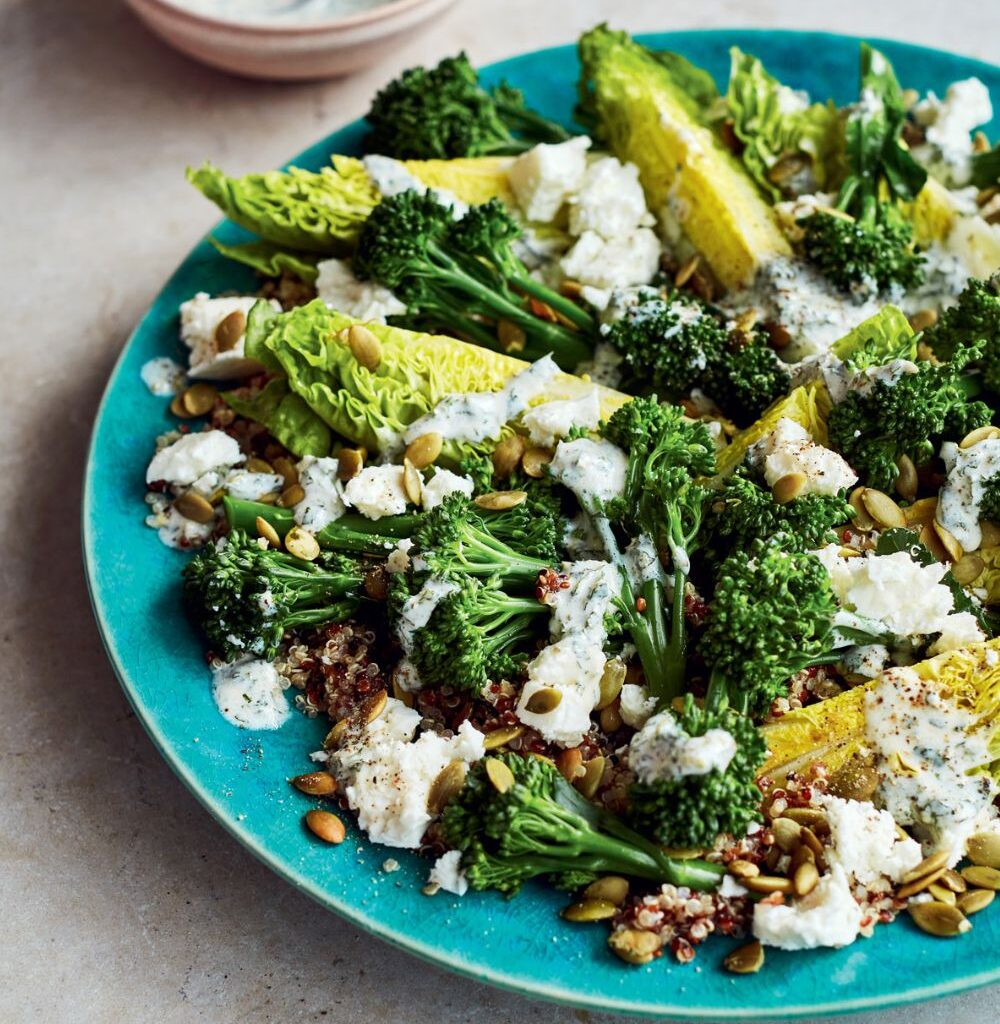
pixel 692 810
pixel 975 318
pixel 747 378
pixel 245 598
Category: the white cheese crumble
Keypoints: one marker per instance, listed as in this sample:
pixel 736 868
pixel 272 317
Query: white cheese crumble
pixel 162 376
pixel 390 177
pixel 789 448
pixel 414 615
pixel 551 421
pixel 443 483
pixel 840 380
pixel 609 201
pixel 868 660
pixel 926 746
pixel 200 317
pixel 593 470
pixel 636 705
pixel 177 531
pixel 250 694
pixel 544 177
pixel 969 470
pixel 323 498
pixel 341 290
pixel 447 873
pixel 865 842
pixel 479 416
pixel 605 368
pixel 249 486
pixel 377 491
pixel 948 124
pixel 828 916
pixel 192 455
pixel 627 260
pixel 399 558
pixel 662 751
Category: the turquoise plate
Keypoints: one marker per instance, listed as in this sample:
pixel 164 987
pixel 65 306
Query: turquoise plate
pixel 241 777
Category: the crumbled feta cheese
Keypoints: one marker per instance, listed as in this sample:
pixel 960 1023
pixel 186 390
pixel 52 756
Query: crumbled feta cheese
pixel 662 750
pixel 390 177
pixel 479 416
pixel 841 380
pixel 386 776
pixel 162 376
pixel 200 317
pixel 177 531
pixel 636 705
pixel 544 177
pixel 593 470
pixel 377 491
pixel 192 455
pixel 249 486
pixel 399 558
pixel 338 287
pixel 414 615
pixel 609 200
pixel 250 694
pixel 584 605
pixel 865 842
pixel 605 368
pixel 447 873
pixel 828 916
pixel 624 261
pixel 969 470
pixel 323 498
pixel 789 448
pixel 867 660
pixel 581 540
pixel 443 483
pixel 926 746
pixel 948 125
pixel 549 422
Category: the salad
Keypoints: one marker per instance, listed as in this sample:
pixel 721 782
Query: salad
pixel 623 491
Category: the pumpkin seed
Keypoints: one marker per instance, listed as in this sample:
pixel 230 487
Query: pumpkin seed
pixel 683 275
pixel 862 521
pixel 743 869
pixel 939 919
pixel 570 288
pixel 374 706
pixel 974 900
pixel 788 487
pixel 612 888
pixel 502 736
pixel 511 337
pixel 633 945
pixel 856 779
pixel 906 478
pixel 805 879
pixel 991 534
pixel 291 496
pixel 507 455
pixel 326 826
pixel 376 582
pixel 229 330
pixel 255 465
pixel 177 407
pixel 973 437
pixel 931 540
pixel 570 763
pixel 748 959
pixel 423 451
pixel 285 468
pixel 918 884
pixel 199 399
pixel 499 774
pixel 923 319
pixel 921 512
pixel 982 877
pixel 543 701
pixel 315 783
pixel 787 833
pixel 612 679
pixel 364 346
pixel 968 568
pixel 948 541
pixel 349 463
pixel 882 508
pixel 412 484
pixel 811 843
pixel 593 773
pixel 611 717
pixel 984 849
pixel 769 884
pixel 302 544
pixel 801 855
pixel 497 501
pixel 337 733
pixel 811 816
pixel 194 507
pixel 267 531
pixel 951 879
pixel 590 910
pixel 400 694
pixel 534 462
pixel 927 866
pixel 941 894
pixel 447 783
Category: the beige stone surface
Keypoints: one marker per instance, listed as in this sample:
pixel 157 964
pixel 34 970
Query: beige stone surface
pixel 120 899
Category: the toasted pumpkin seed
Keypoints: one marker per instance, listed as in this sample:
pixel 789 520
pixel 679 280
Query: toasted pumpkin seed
pixel 612 888
pixel 939 919
pixel 800 855
pixel 534 462
pixel 593 774
pixel 364 346
pixel 350 462
pixel 611 717
pixel 507 455
pixel 302 544
pixel 811 816
pixel 982 877
pixel 633 945
pixel 862 521
pixel 374 706
pixel 543 701
pixel 255 465
pixel 788 487
pixel 177 407
pixel 502 736
pixel 570 288
pixel 267 531
pixel 769 884
pixel 743 869
pixel 199 398
pixel 326 826
pixel 923 319
pixel 747 959
pixel 906 478
pixel 927 866
pixel 811 843
pixel 570 763
pixel 447 783
pixel 194 507
pixel 423 451
pixel 590 910
pixel 511 337
pixel 229 330
pixel 991 534
pixel 787 833
pixel 337 733
pixel 951 879
pixel 806 878
pixel 948 541
pixel 612 679
pixel 497 501
pixel 921 512
pixel 941 894
pixel 856 779
pixel 315 783
pixel 973 437
pixel 882 508
pixel 285 468
pixel 291 496
pixel 968 568
pixel 412 484
pixel 499 774
pixel 974 900
pixel 399 693
pixel 931 540
pixel 919 884
pixel 984 849
pixel 683 275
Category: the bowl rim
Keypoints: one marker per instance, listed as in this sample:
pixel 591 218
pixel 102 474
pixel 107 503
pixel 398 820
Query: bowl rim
pixel 260 27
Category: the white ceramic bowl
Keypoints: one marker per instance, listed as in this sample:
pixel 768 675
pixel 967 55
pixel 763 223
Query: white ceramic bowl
pixel 286 50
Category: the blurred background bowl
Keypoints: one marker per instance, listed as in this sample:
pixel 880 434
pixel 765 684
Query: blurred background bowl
pixel 286 49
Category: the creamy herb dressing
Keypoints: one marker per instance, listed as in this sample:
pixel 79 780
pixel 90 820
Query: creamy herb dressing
pixel 414 615
pixel 969 470
pixel 250 694
pixel 789 448
pixel 162 376
pixel 391 177
pixel 593 470
pixel 662 751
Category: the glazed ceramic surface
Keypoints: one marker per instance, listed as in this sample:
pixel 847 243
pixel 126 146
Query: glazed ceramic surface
pixel 241 777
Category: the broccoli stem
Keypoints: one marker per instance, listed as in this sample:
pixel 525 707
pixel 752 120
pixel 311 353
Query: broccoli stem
pixel 522 121
pixel 559 303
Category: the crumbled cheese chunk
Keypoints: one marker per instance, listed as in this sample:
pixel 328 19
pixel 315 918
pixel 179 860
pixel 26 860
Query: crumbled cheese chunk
pixel 249 486
pixel 377 491
pixel 544 177
pixel 193 455
pixel 865 842
pixel 627 260
pixel 584 605
pixel 609 201
pixel 162 376
pixel 200 317
pixel 868 660
pixel 636 705
pixel 789 448
pixel 447 873
pixel 828 916
pixel 250 694
pixel 948 125
pixel 338 287
pixel 969 470
pixel 443 483
pixel 593 470
pixel 414 615
pixel 399 558
pixel 391 176
pixel 661 750
pixel 549 422
pixel 177 531
pixel 323 498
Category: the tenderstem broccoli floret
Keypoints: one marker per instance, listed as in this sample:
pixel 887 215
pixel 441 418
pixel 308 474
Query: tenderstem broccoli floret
pixel 517 818
pixel 245 598
pixel 443 112
pixel 975 318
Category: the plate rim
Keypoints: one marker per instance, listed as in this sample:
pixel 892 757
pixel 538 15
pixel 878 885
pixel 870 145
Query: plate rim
pixel 358 915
